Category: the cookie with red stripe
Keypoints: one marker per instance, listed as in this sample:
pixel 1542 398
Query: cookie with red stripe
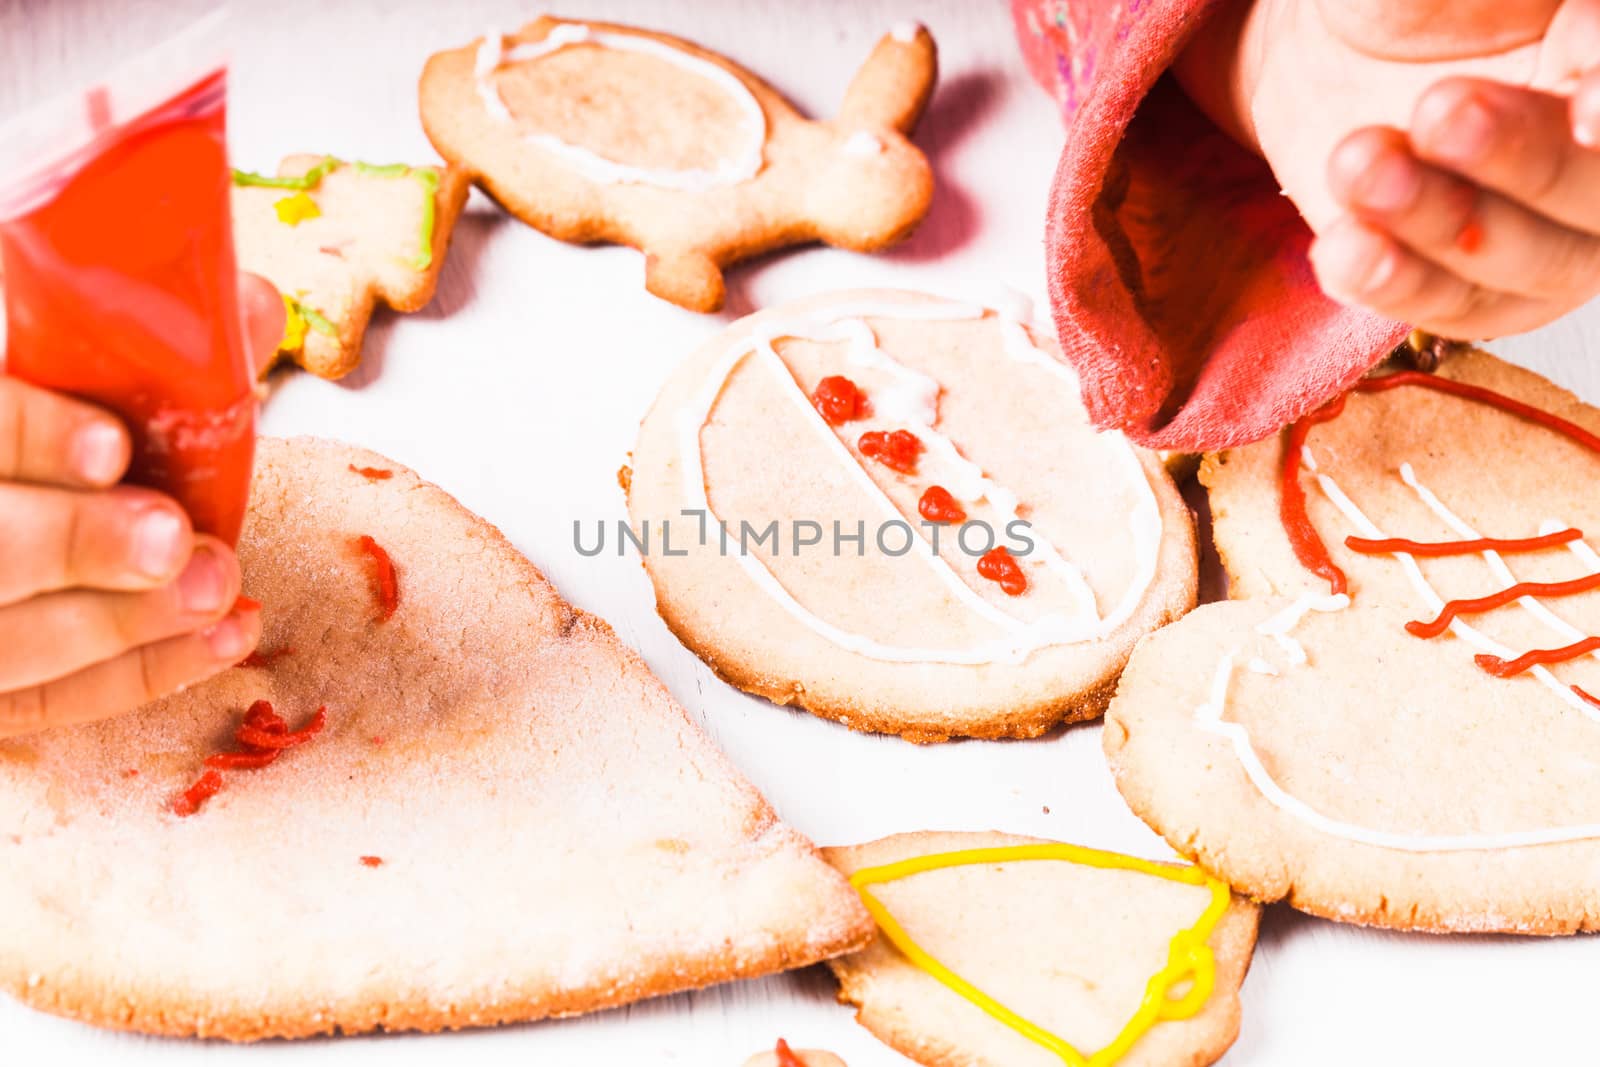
pixel 1395 723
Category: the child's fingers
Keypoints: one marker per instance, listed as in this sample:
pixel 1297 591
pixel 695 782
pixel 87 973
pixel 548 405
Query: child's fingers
pixel 136 677
pixel 1476 234
pixel 123 538
pixel 1518 142
pixel 261 314
pixel 52 439
pixel 58 634
pixel 1360 265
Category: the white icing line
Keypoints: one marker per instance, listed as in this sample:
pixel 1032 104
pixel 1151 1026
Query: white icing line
pixel 863 143
pixel 492 55
pixel 914 394
pixel 1015 309
pixel 1579 548
pixel 1497 564
pixel 1208 717
pixel 487 61
pixel 1261 666
pixel 1279 625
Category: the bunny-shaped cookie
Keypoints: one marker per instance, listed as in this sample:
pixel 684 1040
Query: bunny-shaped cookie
pixel 593 132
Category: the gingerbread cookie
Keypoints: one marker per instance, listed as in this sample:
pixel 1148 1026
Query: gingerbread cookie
pixel 890 509
pixel 1398 723
pixel 1002 951
pixel 498 815
pixel 595 132
pixel 337 238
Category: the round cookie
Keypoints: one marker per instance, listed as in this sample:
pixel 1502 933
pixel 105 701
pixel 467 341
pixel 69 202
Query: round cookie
pixel 892 632
pixel 1069 945
pixel 1354 754
pixel 590 131
pixel 506 816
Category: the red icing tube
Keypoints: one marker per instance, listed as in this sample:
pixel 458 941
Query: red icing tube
pixel 120 283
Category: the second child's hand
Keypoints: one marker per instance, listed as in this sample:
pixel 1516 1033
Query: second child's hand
pixel 1447 155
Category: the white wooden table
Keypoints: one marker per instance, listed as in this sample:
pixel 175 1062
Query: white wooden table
pixel 520 390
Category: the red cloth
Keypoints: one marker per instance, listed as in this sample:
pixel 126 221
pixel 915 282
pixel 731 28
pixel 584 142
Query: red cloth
pixel 1177 270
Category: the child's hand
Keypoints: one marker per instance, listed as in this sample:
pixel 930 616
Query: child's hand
pixel 107 598
pixel 1445 192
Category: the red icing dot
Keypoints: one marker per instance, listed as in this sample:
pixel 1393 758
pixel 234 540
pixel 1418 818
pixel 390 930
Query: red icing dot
pixel 898 450
pixel 937 505
pixel 838 399
pixel 998 566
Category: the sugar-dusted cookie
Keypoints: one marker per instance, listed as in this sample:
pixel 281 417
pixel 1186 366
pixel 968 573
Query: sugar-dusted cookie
pixel 1390 728
pixel 909 525
pixel 1002 951
pixel 500 815
pixel 337 238
pixel 596 132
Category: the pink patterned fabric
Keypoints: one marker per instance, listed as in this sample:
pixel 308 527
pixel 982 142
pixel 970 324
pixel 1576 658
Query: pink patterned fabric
pixel 1178 274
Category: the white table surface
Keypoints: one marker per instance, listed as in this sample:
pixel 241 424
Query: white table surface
pixel 520 389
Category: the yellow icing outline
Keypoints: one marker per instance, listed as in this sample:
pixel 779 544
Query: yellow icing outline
pixel 294 325
pixel 1188 957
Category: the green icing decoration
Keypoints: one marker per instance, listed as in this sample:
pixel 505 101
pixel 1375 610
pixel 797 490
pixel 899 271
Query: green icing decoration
pixel 427 177
pixel 317 321
pixel 385 170
pixel 309 180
